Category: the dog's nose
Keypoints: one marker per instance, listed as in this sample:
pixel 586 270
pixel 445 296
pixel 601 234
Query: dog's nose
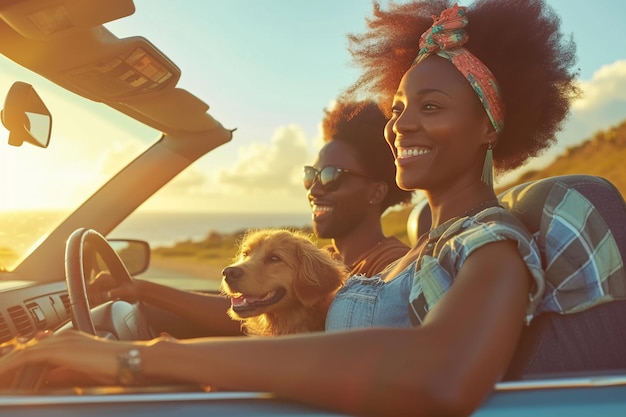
pixel 231 273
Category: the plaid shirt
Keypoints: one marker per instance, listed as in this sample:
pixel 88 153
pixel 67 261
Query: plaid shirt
pixel 582 262
pixel 573 258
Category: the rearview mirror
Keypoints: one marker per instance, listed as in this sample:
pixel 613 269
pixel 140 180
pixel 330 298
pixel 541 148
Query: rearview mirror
pixel 26 116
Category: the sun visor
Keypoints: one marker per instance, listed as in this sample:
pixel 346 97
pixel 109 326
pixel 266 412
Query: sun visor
pixel 135 67
pixel 49 19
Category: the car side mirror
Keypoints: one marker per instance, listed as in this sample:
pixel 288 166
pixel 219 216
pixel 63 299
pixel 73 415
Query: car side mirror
pixel 26 116
pixel 135 254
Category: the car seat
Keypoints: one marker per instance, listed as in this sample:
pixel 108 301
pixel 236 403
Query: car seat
pixel 590 340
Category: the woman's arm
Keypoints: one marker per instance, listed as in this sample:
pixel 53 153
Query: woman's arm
pixel 446 366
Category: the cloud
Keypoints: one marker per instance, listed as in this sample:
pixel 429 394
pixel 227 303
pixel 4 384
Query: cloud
pixel 265 177
pixel 264 167
pixel 609 82
pixel 602 106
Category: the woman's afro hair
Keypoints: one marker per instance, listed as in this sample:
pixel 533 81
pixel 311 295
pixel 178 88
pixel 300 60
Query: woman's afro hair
pixel 518 40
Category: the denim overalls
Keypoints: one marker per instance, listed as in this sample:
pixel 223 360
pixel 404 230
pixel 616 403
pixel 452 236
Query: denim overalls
pixel 371 302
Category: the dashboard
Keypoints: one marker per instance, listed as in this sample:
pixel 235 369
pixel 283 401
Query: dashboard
pixel 26 308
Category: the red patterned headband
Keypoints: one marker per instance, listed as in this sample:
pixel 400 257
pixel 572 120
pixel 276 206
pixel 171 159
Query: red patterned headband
pixel 446 38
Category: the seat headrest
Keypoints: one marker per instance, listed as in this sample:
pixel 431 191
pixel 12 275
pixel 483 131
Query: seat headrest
pixel 527 202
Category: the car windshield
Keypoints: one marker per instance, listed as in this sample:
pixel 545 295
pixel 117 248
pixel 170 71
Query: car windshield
pixel 90 142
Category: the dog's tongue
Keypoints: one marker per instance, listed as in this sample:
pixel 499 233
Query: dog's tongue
pixel 242 300
pixel 238 301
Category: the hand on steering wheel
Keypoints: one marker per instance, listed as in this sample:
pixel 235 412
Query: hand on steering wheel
pixel 122 320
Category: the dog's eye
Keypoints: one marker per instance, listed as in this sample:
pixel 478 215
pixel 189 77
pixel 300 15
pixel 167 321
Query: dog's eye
pixel 274 258
pixel 244 254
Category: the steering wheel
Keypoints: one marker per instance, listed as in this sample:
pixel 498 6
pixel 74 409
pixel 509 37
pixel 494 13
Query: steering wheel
pixel 119 319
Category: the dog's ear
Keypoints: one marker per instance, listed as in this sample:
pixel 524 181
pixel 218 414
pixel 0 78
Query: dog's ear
pixel 318 274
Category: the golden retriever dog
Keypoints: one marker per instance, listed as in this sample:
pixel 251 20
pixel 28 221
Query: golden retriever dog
pixel 281 283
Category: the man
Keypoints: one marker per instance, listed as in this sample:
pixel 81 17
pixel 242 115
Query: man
pixel 351 184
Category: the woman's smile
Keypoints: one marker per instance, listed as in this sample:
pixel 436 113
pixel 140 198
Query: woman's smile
pixel 404 153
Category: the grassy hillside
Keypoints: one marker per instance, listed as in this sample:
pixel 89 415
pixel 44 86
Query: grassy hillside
pixel 603 155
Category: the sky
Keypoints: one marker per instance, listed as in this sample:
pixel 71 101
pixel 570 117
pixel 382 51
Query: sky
pixel 269 68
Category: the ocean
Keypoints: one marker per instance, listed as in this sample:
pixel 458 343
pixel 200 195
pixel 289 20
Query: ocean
pixel 165 229
pixel 19 230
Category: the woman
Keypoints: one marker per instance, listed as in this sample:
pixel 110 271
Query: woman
pixel 467 287
pixel 351 184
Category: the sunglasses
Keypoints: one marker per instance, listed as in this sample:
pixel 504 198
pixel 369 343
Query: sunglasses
pixel 328 177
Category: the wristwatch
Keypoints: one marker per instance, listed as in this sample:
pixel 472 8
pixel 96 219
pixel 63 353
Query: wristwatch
pixel 129 368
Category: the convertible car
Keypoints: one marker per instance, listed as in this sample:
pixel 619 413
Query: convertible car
pixel 130 132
